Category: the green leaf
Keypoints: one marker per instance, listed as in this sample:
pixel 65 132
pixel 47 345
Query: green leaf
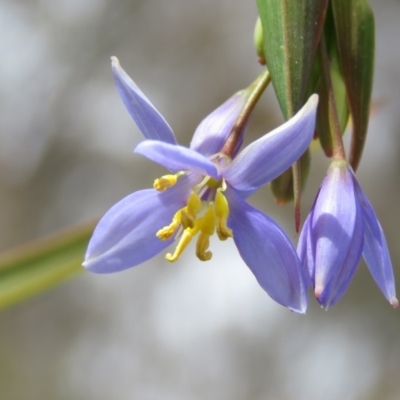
pixel 39 265
pixel 291 33
pixel 355 33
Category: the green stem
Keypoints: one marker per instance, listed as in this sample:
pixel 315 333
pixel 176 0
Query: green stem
pixel 336 133
pixel 255 90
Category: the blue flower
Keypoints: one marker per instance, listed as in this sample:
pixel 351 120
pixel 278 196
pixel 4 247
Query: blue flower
pixel 205 193
pixel 342 226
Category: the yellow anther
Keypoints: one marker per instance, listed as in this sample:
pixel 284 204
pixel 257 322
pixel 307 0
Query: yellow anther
pixel 187 220
pixel 221 205
pixel 167 232
pixel 222 213
pixel 202 245
pixel 183 242
pixel 223 231
pixel 185 239
pixel 214 218
pixel 207 228
pixel 165 182
pixel 208 222
pixel 190 212
pixel 194 204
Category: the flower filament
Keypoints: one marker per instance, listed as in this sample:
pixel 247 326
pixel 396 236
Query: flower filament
pixel 206 211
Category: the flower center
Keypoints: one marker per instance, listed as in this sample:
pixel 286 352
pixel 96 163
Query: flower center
pixel 206 211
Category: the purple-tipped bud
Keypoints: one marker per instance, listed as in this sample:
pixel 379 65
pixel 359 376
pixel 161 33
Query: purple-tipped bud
pixel 340 227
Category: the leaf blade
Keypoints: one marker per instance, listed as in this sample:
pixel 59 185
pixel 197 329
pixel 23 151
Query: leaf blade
pixel 291 33
pixel 39 265
pixel 355 32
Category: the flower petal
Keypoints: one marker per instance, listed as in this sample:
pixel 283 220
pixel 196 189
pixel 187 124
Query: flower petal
pixel 268 252
pixel 267 157
pixel 375 251
pixel 339 282
pixel 176 158
pixel 150 122
pixel 126 235
pixel 336 234
pixel 211 134
pixel 305 251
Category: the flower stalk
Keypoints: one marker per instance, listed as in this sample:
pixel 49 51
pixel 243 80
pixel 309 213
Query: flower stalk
pixel 256 89
pixel 338 151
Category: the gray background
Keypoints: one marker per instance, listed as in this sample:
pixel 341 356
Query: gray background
pixel 188 330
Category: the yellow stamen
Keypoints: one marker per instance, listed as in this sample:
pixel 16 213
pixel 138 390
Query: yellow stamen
pixel 202 245
pixel 223 231
pixel 207 228
pixel 189 213
pixel 167 232
pixel 187 220
pixel 208 222
pixel 194 204
pixel 166 181
pixel 185 239
pixel 222 213
pixel 183 242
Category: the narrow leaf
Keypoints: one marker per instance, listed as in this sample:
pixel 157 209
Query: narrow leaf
pixel 291 32
pixel 355 33
pixel 39 265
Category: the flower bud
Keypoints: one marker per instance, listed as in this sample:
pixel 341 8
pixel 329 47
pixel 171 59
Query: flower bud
pixel 259 42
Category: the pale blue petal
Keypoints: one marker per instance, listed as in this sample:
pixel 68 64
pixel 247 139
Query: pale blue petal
pixel 305 251
pixel 150 122
pixel 126 235
pixel 176 158
pixel 211 134
pixel 375 251
pixel 268 252
pixel 336 219
pixel 269 156
pixel 339 282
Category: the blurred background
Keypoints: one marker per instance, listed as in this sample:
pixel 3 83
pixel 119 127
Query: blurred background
pixel 187 330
